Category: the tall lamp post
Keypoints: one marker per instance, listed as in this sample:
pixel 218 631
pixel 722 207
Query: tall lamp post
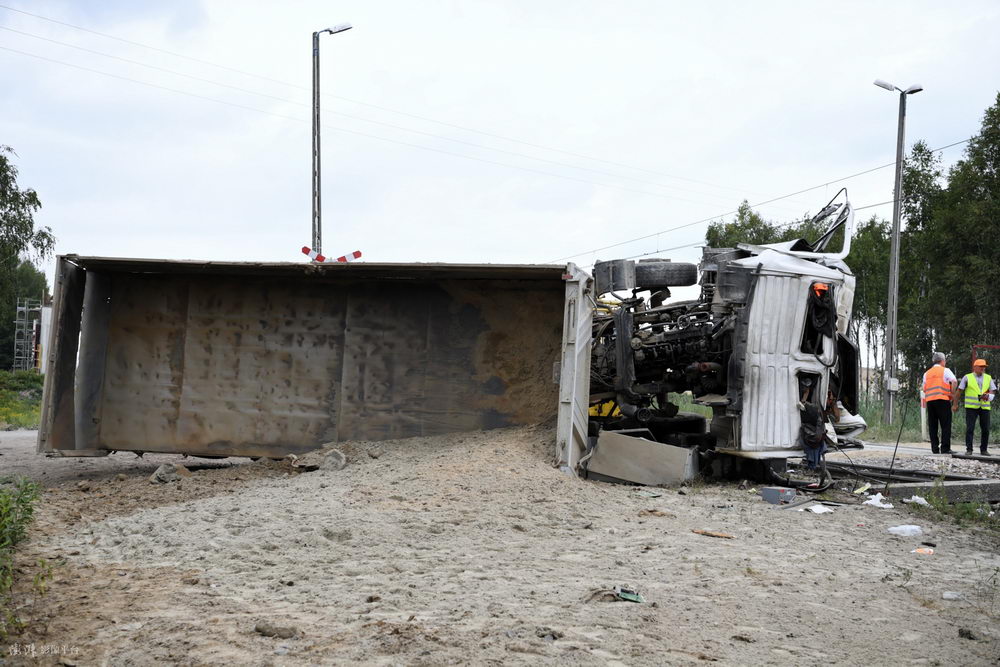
pixel 891 383
pixel 317 226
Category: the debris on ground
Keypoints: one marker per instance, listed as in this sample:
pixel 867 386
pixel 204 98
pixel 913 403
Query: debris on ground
pixel 269 629
pixel 906 530
pixel 924 551
pixel 333 460
pixel 951 596
pixel 545 633
pixel 627 594
pixel 709 533
pixel 777 494
pixel 878 501
pixel 168 473
pixel 916 500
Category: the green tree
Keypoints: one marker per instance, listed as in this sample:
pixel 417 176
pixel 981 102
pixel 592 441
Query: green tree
pixel 750 227
pixel 21 243
pixel 18 236
pixel 961 256
pixel 747 227
pixel 869 260
pixel 921 244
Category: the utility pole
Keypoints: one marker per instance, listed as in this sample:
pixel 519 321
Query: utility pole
pixel 317 209
pixel 889 376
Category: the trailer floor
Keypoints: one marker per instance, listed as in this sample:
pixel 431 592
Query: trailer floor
pixel 471 549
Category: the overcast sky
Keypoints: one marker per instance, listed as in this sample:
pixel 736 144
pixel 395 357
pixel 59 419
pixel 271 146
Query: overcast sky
pixel 503 131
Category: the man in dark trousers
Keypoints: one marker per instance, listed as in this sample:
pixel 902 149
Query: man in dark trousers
pixel 939 391
pixel 978 390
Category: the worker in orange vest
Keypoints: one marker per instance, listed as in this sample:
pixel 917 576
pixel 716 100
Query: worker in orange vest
pixel 939 390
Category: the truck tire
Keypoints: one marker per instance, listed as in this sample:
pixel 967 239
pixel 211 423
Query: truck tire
pixel 651 274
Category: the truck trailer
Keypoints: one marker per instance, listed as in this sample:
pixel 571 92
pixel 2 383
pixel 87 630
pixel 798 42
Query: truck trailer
pixel 220 359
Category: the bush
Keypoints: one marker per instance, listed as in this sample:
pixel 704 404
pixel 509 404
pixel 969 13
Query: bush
pixel 17 504
pixel 20 399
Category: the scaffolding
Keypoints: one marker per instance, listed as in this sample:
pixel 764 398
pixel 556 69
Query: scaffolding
pixel 26 333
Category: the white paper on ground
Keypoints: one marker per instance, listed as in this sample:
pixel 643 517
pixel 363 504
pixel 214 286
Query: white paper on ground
pixel 878 501
pixel 819 509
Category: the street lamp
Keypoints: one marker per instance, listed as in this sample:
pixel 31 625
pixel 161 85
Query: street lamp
pixel 891 383
pixel 316 207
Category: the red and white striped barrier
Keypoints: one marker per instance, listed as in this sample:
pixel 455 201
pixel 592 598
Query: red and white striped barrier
pixel 316 257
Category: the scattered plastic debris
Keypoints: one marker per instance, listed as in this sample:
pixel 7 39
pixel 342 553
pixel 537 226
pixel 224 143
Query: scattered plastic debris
pixel 925 551
pixel 777 494
pixel 916 500
pixel 861 489
pixel 951 596
pixel 648 494
pixel 627 594
pixel 878 501
pixel 819 509
pixel 906 530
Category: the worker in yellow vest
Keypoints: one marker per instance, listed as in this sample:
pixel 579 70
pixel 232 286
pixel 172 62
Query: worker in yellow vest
pixel 939 390
pixel 977 389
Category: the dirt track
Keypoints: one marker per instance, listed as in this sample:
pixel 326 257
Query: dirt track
pixel 471 548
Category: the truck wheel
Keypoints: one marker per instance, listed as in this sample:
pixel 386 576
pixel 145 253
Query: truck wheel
pixel 662 273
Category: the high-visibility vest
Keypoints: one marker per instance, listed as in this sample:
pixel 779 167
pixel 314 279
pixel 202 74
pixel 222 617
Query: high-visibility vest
pixel 935 386
pixel 973 389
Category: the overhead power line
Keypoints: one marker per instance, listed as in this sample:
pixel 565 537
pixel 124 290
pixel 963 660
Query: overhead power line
pixel 702 243
pixel 359 118
pixel 720 215
pixel 342 129
pixel 234 70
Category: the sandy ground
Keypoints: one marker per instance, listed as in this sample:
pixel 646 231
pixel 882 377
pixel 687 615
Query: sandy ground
pixel 472 549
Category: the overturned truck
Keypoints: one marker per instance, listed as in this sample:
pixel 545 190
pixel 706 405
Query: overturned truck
pixel 223 359
pixel 765 346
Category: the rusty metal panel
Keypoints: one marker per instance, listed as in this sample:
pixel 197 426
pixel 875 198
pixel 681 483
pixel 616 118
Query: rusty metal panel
pixel 57 429
pixel 269 359
pixel 92 359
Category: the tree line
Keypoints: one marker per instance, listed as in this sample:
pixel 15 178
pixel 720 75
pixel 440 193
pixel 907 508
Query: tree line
pixel 22 245
pixel 949 284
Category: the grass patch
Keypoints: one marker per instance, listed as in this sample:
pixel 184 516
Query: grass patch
pixel 17 505
pixel 872 409
pixel 20 399
pixel 979 515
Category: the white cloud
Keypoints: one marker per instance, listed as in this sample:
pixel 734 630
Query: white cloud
pixel 760 99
